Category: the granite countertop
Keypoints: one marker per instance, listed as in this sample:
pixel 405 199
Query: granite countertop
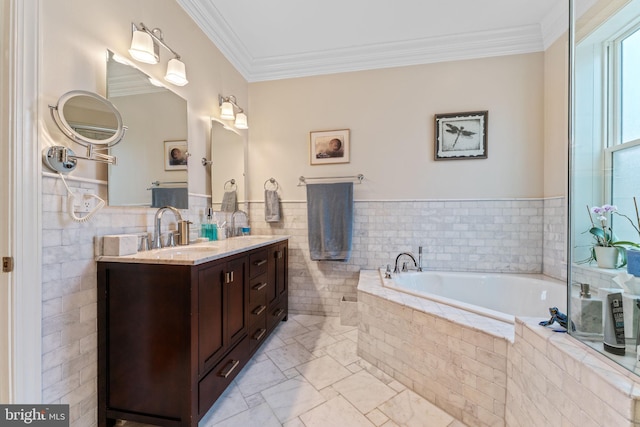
pixel 197 253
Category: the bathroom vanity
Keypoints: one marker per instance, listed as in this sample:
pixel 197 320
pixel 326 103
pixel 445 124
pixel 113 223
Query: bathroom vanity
pixel 176 325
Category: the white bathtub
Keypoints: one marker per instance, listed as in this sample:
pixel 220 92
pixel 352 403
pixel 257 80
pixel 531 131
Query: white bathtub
pixel 501 296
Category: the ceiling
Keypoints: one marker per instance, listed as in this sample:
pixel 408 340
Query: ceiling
pixel 276 39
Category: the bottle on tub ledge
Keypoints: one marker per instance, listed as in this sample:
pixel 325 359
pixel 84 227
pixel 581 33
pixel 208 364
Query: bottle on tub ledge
pixel 614 341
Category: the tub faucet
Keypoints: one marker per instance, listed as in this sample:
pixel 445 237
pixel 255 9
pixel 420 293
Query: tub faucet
pixel 410 255
pixel 157 241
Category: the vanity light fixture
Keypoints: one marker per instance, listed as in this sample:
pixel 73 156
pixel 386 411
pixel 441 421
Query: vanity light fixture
pixel 145 47
pixel 227 111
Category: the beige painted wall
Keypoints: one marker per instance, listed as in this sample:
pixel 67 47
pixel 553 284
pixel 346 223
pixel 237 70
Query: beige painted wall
pixel 390 114
pixel 556 118
pixel 76 35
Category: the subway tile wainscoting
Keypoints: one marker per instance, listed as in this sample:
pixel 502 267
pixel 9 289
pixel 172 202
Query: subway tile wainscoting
pixel 459 235
pixel 503 235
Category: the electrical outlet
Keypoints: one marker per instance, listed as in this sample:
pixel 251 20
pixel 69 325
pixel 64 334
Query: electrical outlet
pixel 84 202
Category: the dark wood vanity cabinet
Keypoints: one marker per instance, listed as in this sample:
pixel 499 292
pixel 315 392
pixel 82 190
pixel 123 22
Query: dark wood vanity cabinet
pixel 171 338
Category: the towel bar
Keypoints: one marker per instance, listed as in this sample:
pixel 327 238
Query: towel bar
pixel 303 180
pixel 156 184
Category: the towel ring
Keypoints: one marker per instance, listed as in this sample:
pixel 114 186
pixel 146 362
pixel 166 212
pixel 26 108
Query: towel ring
pixel 232 185
pixel 272 182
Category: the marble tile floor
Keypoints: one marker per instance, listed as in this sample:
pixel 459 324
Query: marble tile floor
pixel 308 374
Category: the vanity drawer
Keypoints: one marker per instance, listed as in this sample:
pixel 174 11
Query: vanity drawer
pixel 258 289
pixel 257 263
pixel 276 313
pixel 257 310
pixel 217 380
pixel 258 332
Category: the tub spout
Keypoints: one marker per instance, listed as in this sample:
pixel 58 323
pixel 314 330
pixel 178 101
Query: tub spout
pixel 410 255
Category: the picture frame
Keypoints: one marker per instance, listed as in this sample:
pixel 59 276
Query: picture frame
pixel 175 155
pixel 329 147
pixel 460 136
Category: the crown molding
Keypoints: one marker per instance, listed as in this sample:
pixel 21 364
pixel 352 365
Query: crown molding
pixel 509 41
pixel 216 28
pixel 554 24
pixel 414 52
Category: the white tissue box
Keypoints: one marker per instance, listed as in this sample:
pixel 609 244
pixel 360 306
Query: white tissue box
pixel 120 244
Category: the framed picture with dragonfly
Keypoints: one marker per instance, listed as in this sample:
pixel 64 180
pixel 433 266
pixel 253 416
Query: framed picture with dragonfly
pixel 461 135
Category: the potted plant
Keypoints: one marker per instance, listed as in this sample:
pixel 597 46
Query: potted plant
pixel 608 252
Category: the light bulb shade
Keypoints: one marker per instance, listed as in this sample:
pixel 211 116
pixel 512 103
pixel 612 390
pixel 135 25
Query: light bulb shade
pixel 241 121
pixel 226 111
pixel 143 48
pixel 176 73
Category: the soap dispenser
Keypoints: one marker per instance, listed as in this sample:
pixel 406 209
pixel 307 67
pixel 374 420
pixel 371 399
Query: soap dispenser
pixel 209 228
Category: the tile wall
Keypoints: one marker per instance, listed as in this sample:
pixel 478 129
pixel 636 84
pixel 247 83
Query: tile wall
pixel 488 373
pixel 556 380
pixel 503 235
pixel 471 235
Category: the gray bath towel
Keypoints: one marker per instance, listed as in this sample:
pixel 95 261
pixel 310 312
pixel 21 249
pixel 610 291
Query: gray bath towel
pixel 330 221
pixel 271 206
pixel 229 201
pixel 177 197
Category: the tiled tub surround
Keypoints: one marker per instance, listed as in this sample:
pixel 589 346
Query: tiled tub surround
pixel 486 372
pixel 503 235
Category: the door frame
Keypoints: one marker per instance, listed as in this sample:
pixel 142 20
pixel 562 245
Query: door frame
pixel 20 216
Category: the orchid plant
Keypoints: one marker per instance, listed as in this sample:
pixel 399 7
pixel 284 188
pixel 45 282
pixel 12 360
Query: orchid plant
pixel 603 233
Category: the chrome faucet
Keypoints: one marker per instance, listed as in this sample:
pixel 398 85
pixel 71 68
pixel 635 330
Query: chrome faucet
pixel 404 267
pixel 234 229
pixel 157 240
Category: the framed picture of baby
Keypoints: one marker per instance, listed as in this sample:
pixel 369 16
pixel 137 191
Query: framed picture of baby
pixel 175 155
pixel 329 147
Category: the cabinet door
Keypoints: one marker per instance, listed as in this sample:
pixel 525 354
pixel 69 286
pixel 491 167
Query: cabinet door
pixel 211 339
pixel 237 299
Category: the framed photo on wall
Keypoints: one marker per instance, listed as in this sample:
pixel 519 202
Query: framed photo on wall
pixel 461 135
pixel 175 155
pixel 329 147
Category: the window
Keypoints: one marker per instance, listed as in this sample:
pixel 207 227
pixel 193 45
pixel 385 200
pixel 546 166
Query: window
pixel 629 87
pixel 623 154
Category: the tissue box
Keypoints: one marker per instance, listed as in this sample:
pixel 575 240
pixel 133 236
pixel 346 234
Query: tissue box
pixel 120 244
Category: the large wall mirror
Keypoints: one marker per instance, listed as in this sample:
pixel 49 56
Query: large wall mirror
pixel 228 167
pixel 152 164
pixel 604 172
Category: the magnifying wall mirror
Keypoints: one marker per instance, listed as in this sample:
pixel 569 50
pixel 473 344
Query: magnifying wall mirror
pixel 89 120
pixel 152 165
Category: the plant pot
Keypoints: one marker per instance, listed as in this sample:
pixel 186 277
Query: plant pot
pixel 633 262
pixel 607 256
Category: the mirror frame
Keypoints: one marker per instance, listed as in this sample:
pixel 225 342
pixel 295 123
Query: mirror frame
pixel 57 112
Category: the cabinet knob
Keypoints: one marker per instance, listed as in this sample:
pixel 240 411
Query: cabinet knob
pixel 259 263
